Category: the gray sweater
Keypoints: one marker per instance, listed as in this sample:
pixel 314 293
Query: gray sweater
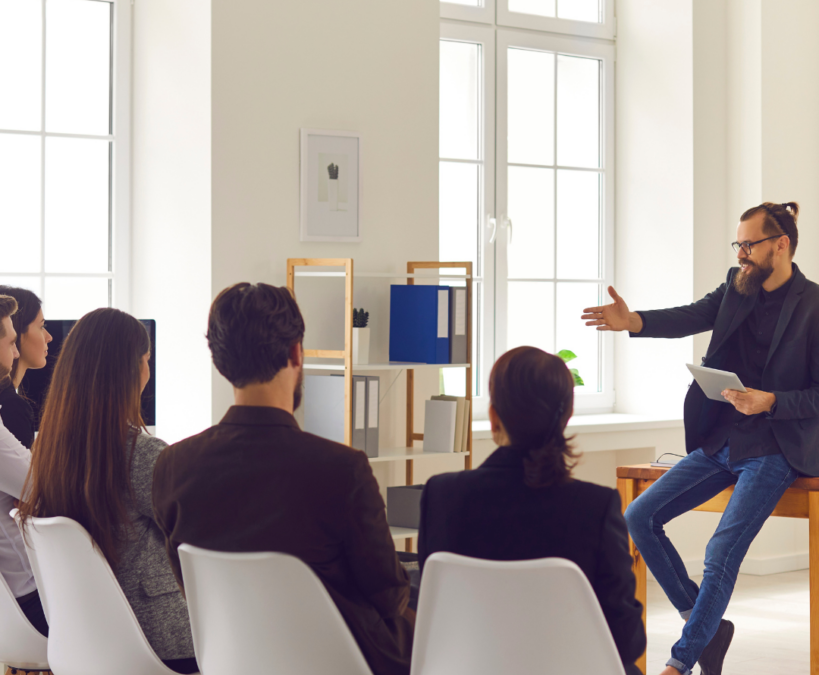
pixel 144 571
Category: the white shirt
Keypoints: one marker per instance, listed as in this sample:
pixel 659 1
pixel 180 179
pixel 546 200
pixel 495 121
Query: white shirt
pixel 15 459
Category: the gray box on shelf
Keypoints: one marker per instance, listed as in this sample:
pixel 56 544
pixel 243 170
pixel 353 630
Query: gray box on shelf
pixel 373 394
pixel 324 406
pixel 404 505
pixel 324 410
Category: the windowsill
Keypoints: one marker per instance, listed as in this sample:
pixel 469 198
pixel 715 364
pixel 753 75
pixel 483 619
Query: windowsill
pixel 595 424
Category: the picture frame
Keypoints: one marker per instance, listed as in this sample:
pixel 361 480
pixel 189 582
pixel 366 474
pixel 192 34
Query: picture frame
pixel 330 186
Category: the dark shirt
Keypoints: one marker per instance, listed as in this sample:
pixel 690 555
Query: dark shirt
pixel 746 353
pixel 490 513
pixel 17 414
pixel 256 482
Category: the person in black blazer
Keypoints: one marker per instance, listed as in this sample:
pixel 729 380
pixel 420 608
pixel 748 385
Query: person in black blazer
pixel 523 504
pixel 765 322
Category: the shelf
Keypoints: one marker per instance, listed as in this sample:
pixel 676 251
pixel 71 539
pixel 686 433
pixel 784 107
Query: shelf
pixel 400 454
pixel 338 365
pixel 399 533
pixel 387 275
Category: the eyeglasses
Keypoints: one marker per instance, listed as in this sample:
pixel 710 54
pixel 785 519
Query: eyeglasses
pixel 746 245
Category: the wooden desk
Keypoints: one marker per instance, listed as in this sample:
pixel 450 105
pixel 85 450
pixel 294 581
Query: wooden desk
pixel 801 500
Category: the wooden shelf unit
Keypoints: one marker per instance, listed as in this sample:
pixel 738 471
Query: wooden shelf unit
pixel 344 358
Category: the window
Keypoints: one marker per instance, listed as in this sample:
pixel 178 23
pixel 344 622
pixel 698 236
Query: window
pixel 64 152
pixel 527 193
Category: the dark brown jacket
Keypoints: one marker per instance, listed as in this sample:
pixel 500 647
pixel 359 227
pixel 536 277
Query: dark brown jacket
pixel 256 482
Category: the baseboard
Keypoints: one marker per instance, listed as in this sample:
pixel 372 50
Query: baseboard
pixel 758 567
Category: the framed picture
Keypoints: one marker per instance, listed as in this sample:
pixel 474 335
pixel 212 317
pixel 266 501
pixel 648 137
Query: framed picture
pixel 330 186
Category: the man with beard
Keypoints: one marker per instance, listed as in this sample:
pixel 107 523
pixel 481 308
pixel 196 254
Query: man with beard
pixel 256 482
pixel 765 322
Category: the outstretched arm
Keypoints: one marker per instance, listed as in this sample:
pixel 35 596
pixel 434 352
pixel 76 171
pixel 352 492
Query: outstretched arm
pixel 676 322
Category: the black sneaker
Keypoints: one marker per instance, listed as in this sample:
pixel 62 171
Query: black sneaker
pixel 714 653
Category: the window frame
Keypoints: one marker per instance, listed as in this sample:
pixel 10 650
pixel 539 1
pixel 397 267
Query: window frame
pixel 484 36
pixel 119 168
pixel 606 30
pixel 482 14
pixel 602 402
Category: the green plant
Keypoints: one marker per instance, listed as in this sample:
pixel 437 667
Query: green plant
pixel 567 356
pixel 360 318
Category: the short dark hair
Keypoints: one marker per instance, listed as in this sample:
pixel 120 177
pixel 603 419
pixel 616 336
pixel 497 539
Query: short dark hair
pixel 8 306
pixel 779 219
pixel 251 329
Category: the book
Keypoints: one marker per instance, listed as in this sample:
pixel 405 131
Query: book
pixel 458 317
pixel 460 440
pixel 439 426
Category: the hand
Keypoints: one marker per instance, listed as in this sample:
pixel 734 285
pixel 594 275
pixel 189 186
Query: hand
pixel 752 402
pixel 615 316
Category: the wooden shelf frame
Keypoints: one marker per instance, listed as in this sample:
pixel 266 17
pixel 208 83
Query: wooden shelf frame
pixel 347 353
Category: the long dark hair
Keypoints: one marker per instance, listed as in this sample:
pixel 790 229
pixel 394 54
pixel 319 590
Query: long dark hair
pixel 81 459
pixel 28 307
pixel 533 392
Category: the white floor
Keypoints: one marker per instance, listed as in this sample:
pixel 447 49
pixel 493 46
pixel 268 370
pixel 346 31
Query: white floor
pixel 771 615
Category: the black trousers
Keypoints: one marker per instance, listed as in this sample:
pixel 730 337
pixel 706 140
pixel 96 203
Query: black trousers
pixel 33 609
pixel 185 666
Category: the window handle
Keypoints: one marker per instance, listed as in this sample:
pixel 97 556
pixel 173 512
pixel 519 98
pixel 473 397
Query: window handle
pixel 493 223
pixel 506 223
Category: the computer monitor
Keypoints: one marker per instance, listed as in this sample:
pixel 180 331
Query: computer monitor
pixel 35 383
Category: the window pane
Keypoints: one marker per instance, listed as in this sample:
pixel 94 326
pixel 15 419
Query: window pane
pixel 78 66
pixel 578 224
pixel 77 205
pixel 574 335
pixel 33 284
pixel 459 100
pixel 531 107
pixel 72 297
pixel 579 10
pixel 21 51
pixel 458 215
pixel 578 111
pixel 20 202
pixel 539 7
pixel 531 315
pixel 530 254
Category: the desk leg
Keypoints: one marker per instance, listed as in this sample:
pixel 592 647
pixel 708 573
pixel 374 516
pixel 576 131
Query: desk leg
pixel 627 487
pixel 813 512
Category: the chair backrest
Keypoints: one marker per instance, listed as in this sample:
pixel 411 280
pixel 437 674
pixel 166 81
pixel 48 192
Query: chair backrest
pixel 270 609
pixel 482 617
pixel 21 644
pixel 91 626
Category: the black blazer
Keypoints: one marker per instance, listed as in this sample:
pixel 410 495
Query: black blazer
pixel 489 513
pixel 256 482
pixel 791 371
pixel 17 415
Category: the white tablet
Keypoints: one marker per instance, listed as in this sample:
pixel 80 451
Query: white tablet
pixel 713 382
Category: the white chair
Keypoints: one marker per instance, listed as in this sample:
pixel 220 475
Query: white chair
pixel 482 617
pixel 249 609
pixel 22 647
pixel 92 629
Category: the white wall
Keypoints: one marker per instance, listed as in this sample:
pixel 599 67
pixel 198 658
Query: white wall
pixel 358 65
pixel 171 253
pixel 654 213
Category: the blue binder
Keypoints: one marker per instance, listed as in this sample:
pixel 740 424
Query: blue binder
pixel 419 324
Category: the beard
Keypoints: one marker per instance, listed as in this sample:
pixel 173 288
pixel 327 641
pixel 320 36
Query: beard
pixel 750 280
pixel 298 393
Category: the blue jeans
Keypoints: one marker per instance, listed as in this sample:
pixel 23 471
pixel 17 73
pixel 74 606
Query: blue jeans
pixel 760 482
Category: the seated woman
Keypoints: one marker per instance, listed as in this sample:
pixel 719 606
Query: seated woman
pixel 32 345
pixel 92 462
pixel 522 502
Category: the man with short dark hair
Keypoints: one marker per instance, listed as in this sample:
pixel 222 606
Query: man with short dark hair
pixel 765 322
pixel 14 463
pixel 256 482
